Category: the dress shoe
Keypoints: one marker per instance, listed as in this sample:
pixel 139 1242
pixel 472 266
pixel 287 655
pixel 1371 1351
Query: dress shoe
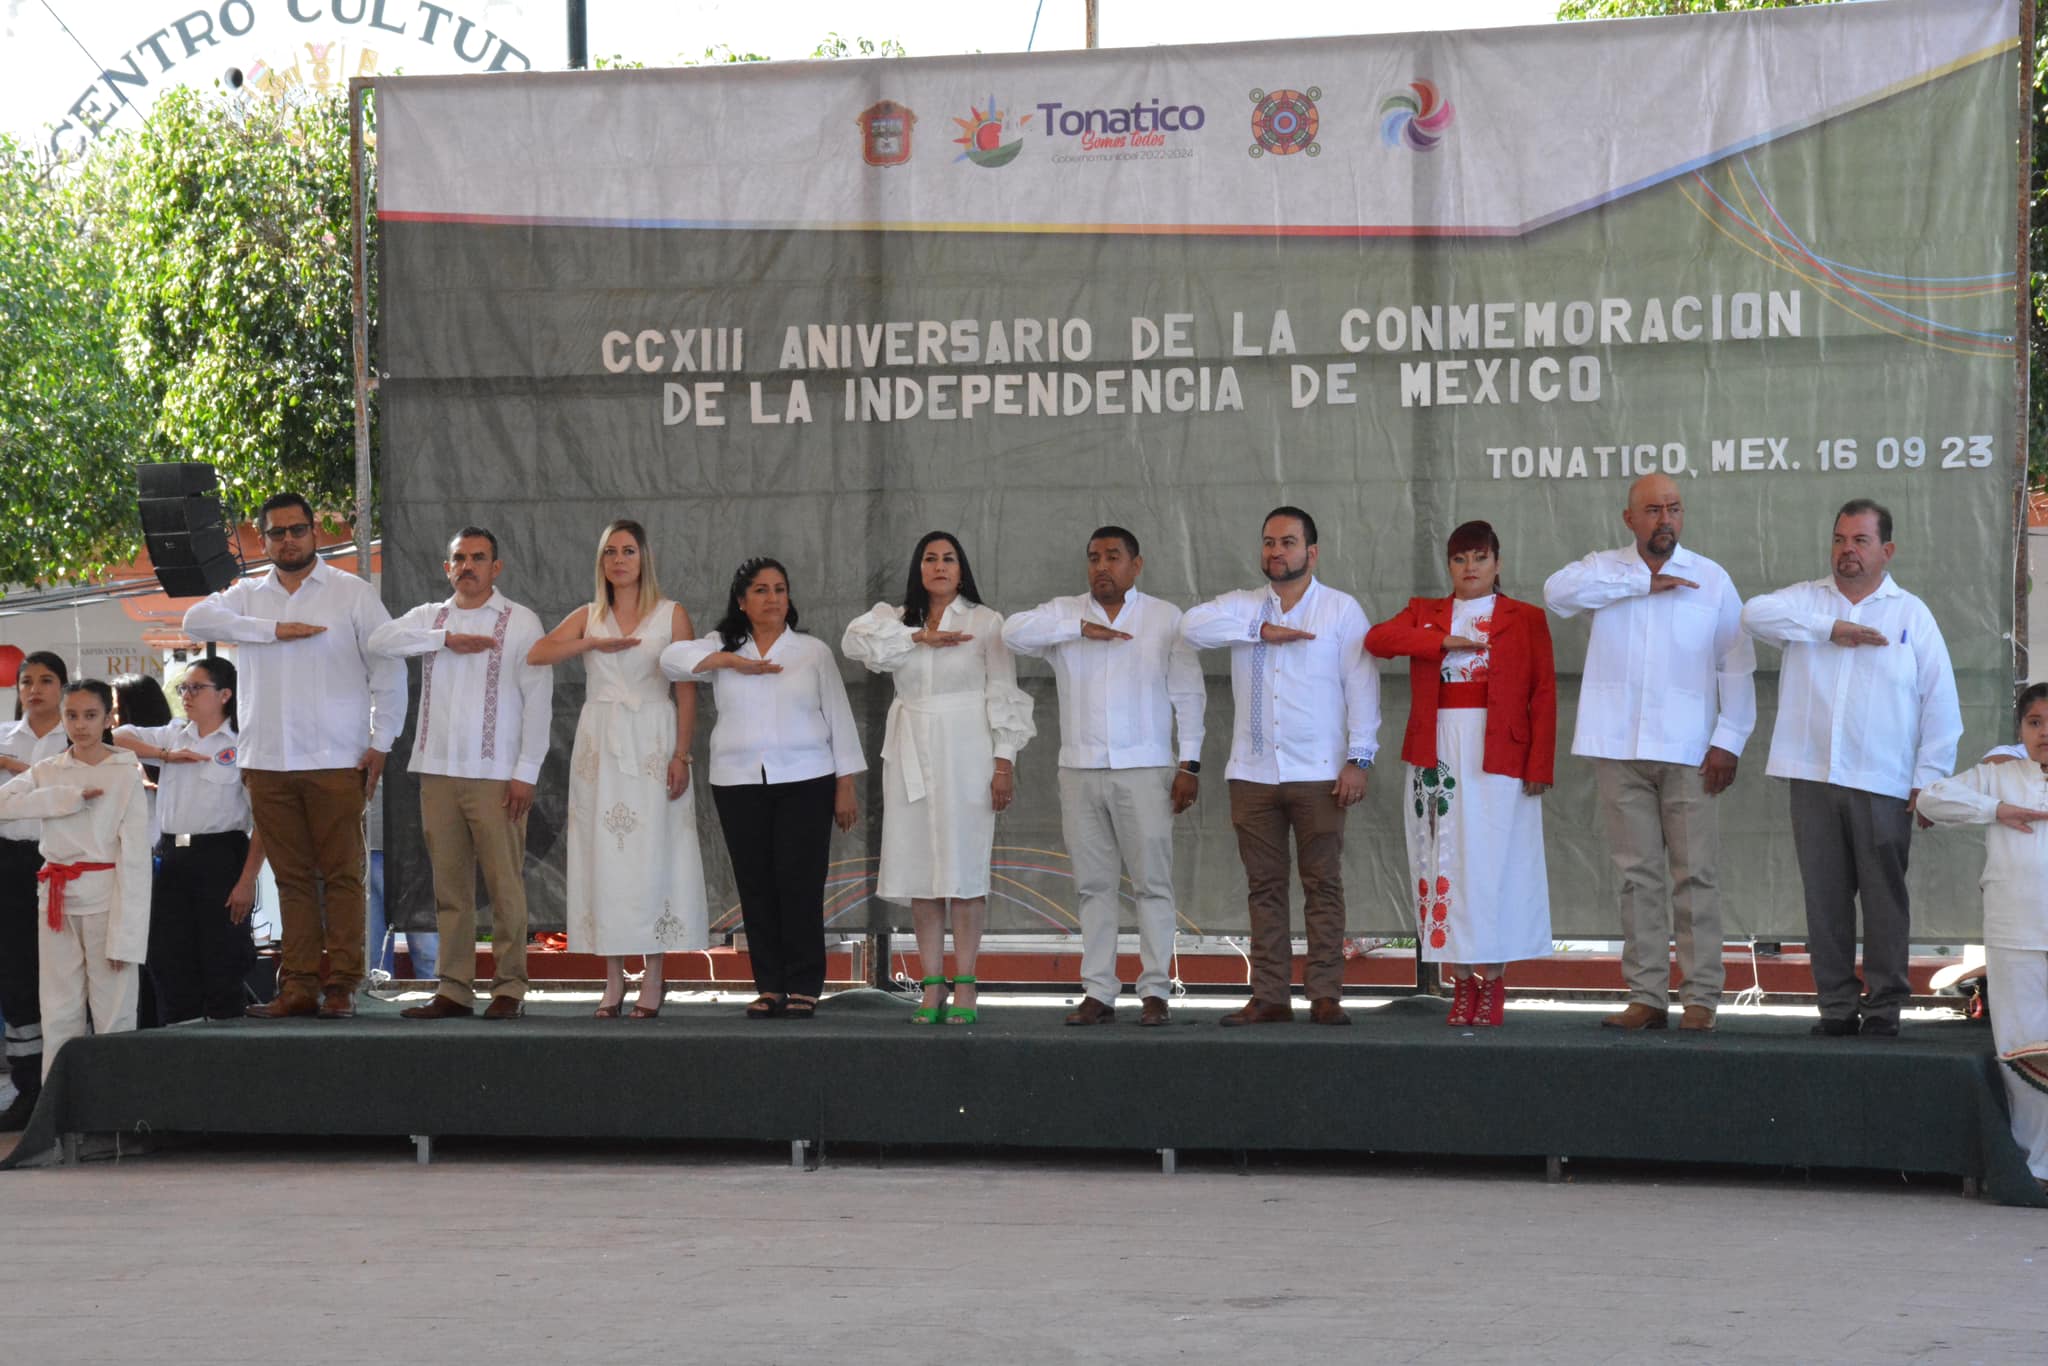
pixel 1092 1012
pixel 1880 1027
pixel 1699 1019
pixel 440 1008
pixel 1324 1010
pixel 1836 1026
pixel 1638 1016
pixel 1251 1013
pixel 1153 1011
pixel 505 1008
pixel 337 1004
pixel 286 1004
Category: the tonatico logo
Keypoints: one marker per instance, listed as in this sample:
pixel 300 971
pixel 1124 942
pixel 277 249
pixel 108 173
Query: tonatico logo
pixel 981 134
pixel 1139 126
pixel 1419 119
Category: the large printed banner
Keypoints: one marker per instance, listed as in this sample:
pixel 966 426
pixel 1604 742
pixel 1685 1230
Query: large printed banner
pixel 817 310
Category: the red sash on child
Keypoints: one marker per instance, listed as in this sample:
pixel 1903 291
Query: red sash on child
pixel 57 874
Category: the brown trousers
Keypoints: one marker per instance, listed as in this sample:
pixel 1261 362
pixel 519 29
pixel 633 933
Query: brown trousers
pixel 1263 815
pixel 465 827
pixel 311 821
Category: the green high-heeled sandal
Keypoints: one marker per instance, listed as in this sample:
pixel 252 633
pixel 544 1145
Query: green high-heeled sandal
pixel 964 1015
pixel 930 1014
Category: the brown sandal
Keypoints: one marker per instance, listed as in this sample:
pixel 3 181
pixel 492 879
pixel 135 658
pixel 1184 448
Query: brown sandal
pixel 766 1006
pixel 608 1012
pixel 800 1007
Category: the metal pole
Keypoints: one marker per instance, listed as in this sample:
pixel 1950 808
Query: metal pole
pixel 579 35
pixel 1088 8
pixel 2023 317
pixel 358 92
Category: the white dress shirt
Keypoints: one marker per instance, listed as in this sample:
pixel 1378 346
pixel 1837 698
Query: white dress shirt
pixel 196 799
pixel 1305 707
pixel 2015 863
pixel 1119 699
pixel 483 715
pixel 774 728
pixel 1668 675
pixel 313 703
pixel 19 741
pixel 1878 718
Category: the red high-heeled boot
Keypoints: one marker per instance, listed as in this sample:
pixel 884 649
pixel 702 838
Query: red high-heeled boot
pixel 1491 1003
pixel 1462 1001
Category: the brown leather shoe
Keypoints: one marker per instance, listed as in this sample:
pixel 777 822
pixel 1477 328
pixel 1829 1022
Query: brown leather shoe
pixel 1154 1011
pixel 337 1003
pixel 1638 1016
pixel 1251 1013
pixel 1324 1010
pixel 287 1003
pixel 1697 1018
pixel 439 1008
pixel 1092 1012
pixel 505 1008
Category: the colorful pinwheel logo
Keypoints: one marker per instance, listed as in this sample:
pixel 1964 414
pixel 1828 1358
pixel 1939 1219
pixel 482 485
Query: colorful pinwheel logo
pixel 1418 119
pixel 981 135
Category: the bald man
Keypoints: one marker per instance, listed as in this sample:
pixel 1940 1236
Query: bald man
pixel 1666 702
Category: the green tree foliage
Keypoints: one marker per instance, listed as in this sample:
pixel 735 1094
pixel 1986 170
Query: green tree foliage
pixel 2037 193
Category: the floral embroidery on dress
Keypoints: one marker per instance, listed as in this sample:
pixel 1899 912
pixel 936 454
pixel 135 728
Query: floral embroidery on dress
pixel 668 929
pixel 1432 791
pixel 655 766
pixel 622 821
pixel 585 762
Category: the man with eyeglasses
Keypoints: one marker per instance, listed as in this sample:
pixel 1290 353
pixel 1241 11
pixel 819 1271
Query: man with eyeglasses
pixel 319 714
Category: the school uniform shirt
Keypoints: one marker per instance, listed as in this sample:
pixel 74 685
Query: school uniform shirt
pixel 315 703
pixel 1120 700
pixel 1877 718
pixel 774 728
pixel 1303 708
pixel 19 741
pixel 197 799
pixel 483 715
pixel 1668 675
pixel 110 828
pixel 2015 881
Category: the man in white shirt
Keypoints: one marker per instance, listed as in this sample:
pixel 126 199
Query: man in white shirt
pixel 318 716
pixel 477 746
pixel 1125 679
pixel 1867 716
pixel 1666 702
pixel 1306 734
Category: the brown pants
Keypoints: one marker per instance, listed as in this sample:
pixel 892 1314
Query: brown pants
pixel 311 822
pixel 465 827
pixel 1263 815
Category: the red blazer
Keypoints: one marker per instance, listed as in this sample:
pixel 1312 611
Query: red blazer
pixel 1521 684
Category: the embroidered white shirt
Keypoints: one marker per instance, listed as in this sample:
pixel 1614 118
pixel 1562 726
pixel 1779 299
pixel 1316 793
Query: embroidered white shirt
pixel 482 715
pixel 1120 700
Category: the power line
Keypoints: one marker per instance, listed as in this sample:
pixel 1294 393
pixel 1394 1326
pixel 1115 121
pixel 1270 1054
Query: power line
pixel 102 66
pixel 1027 42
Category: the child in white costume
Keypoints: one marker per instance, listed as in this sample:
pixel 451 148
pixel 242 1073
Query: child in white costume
pixel 93 930
pixel 2012 798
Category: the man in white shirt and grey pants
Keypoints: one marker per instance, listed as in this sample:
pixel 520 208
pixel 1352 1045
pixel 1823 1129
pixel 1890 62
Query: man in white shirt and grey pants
pixel 1307 730
pixel 318 717
pixel 1126 678
pixel 1666 701
pixel 1867 716
pixel 477 747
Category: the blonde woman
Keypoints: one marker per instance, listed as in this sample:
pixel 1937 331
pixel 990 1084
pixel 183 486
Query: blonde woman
pixel 635 879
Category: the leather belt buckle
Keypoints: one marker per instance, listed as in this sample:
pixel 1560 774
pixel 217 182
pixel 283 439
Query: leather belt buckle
pixel 181 841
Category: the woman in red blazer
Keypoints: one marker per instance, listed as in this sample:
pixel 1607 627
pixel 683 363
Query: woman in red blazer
pixel 1481 740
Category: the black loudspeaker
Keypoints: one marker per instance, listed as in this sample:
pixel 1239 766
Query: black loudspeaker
pixel 183 527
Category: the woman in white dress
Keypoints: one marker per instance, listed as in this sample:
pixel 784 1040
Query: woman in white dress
pixel 954 730
pixel 635 879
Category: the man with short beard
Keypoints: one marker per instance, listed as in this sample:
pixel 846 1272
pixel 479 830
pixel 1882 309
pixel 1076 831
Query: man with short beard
pixel 1867 716
pixel 318 716
pixel 1666 702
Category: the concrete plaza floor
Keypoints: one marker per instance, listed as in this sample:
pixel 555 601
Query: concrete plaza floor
pixel 536 1253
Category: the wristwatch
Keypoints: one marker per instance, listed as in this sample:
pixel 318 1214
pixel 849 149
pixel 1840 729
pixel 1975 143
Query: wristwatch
pixel 1365 765
pixel 1191 767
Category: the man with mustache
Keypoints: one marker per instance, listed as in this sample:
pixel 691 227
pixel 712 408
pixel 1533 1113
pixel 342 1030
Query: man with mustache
pixel 477 745
pixel 1666 702
pixel 1867 716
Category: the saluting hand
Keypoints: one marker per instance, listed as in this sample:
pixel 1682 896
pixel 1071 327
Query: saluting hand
pixel 1664 583
pixel 1850 634
pixel 465 644
pixel 12 764
pixel 1273 633
pixel 938 639
pixel 2020 818
pixel 1095 630
pixel 610 645
pixel 297 630
pixel 182 756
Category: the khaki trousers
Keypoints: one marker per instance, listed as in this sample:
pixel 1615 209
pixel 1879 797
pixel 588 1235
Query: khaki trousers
pixel 311 821
pixel 1118 821
pixel 466 829
pixel 1264 814
pixel 1664 836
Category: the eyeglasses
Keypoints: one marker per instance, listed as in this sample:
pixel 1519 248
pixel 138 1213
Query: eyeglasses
pixel 293 532
pixel 187 689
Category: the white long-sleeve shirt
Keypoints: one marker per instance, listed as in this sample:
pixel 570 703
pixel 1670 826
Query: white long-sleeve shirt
pixel 1668 675
pixel 774 728
pixel 18 740
pixel 1305 707
pixel 197 799
pixel 1120 700
pixel 2015 881
pixel 483 715
pixel 313 703
pixel 110 828
pixel 1878 718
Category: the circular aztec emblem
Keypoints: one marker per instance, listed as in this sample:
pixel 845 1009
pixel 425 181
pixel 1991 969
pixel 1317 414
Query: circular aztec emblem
pixel 1418 119
pixel 1285 122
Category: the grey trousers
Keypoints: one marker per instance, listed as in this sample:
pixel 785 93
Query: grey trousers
pixel 1853 844
pixel 1664 836
pixel 1119 821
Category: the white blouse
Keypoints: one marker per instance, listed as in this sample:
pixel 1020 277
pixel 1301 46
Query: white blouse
pixel 930 677
pixel 773 728
pixel 19 741
pixel 197 799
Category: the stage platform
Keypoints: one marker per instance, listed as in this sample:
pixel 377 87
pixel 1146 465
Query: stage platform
pixel 1550 1085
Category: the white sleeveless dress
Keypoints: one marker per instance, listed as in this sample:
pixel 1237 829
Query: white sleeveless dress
pixel 635 877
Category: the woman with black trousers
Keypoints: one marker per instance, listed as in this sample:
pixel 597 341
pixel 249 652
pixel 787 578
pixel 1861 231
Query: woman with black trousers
pixel 783 756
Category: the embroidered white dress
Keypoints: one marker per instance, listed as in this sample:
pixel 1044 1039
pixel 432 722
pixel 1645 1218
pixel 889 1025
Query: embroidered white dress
pixel 957 711
pixel 635 877
pixel 1475 840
